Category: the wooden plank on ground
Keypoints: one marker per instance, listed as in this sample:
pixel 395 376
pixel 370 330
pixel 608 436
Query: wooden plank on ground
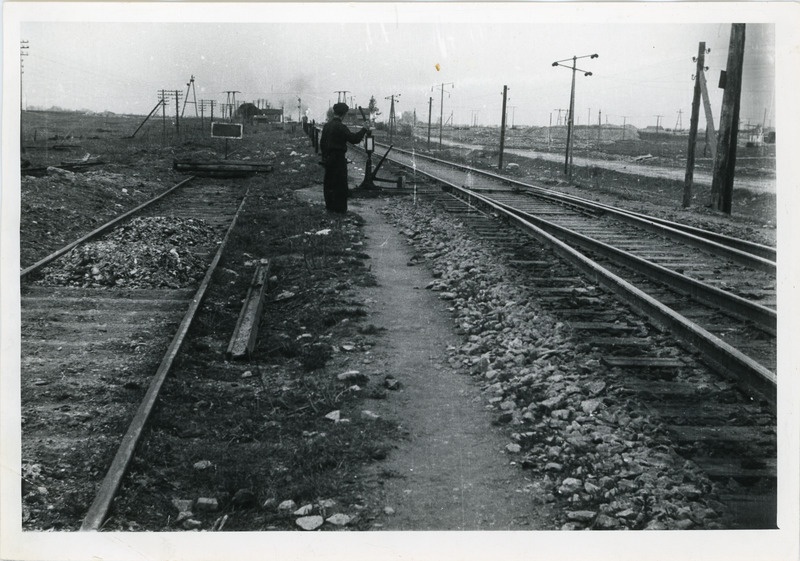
pixel 600 326
pixel 724 433
pixel 245 333
pixel 618 341
pixel 738 467
pixel 642 362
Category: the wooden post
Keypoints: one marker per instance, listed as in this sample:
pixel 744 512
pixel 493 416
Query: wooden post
pixel 177 116
pixel 711 133
pixel 725 163
pixel 503 128
pixel 137 129
pixel 689 177
pixel 599 128
pixel 430 108
pixel 570 124
pixel 163 116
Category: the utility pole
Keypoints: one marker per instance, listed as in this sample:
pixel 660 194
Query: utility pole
pixel 164 96
pixel 23 52
pixel 203 104
pixel 658 122
pixel 558 121
pixel 177 115
pixel 624 121
pixel 430 109
pixel 725 163
pixel 441 110
pixel 679 122
pixel 475 113
pixel 693 120
pixel 392 117
pixel 299 110
pixel 503 128
pixel 549 127
pixel 190 85
pixel 599 128
pixel 230 103
pixel 568 155
pixel 341 95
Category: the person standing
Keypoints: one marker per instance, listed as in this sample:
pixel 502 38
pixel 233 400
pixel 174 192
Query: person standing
pixel 333 145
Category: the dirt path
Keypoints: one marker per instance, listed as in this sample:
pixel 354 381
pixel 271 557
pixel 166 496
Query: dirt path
pixel 452 472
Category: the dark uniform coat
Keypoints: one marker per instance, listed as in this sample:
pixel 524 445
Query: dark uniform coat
pixel 333 144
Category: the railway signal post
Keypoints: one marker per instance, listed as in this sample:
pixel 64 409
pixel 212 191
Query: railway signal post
pixel 571 121
pixel 369 148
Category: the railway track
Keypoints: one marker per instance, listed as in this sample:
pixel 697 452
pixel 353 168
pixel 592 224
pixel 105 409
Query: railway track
pixel 724 287
pixel 89 355
pixel 705 306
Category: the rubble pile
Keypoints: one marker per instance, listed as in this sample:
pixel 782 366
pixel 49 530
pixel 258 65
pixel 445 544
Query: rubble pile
pixel 154 252
pixel 592 450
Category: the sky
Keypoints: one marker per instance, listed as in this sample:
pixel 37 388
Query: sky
pixel 642 76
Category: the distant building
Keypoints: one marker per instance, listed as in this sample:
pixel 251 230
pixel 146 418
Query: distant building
pixel 269 116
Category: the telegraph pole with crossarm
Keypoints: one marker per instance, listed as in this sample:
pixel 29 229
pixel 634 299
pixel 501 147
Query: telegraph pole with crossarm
pixel 571 115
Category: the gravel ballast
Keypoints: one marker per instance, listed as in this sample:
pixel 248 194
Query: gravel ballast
pixel 596 453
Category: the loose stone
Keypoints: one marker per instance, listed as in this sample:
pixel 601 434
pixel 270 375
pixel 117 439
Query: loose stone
pixel 202 464
pixel 569 486
pixel 205 504
pixel 287 505
pixel 309 522
pixel 339 519
pixel 581 515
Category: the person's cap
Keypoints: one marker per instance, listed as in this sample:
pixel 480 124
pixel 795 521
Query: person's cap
pixel 340 108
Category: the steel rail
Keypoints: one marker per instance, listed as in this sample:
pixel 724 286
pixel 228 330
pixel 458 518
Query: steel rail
pixel 101 505
pixel 717 353
pixel 100 230
pixel 747 253
pixel 766 318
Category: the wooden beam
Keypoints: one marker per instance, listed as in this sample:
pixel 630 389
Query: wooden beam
pixel 710 130
pixel 245 333
pixel 690 153
pixel 725 163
